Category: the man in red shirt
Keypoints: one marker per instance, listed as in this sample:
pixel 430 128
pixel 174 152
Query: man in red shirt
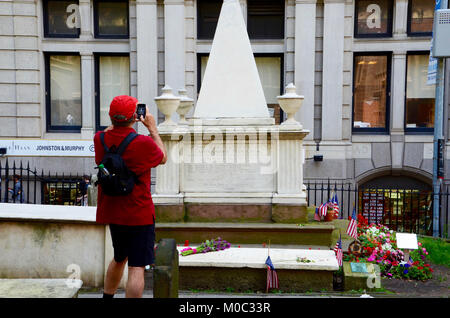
pixel 131 218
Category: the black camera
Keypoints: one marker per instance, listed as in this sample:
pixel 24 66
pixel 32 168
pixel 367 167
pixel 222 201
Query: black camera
pixel 141 109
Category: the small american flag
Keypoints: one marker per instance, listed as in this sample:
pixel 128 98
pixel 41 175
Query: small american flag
pixel 323 209
pixel 316 215
pixel 338 251
pixel 335 204
pixel 410 261
pixel 272 277
pixel 352 228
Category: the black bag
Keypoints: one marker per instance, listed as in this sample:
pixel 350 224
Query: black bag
pixel 119 180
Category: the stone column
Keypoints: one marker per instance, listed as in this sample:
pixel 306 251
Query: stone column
pixel 332 71
pixel 398 92
pixel 305 39
pixel 87 95
pixel 398 108
pixel 167 198
pixel 85 15
pixel 289 201
pixel 400 19
pixel 147 65
pixel 174 46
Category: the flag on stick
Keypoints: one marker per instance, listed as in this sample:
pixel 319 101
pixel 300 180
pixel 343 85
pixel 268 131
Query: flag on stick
pixel 323 209
pixel 272 277
pixel 316 215
pixel 338 251
pixel 352 228
pixel 335 204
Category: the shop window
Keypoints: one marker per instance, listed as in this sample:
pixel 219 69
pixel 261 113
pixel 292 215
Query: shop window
pixel 402 203
pixel 62 192
pixel 112 78
pixel 61 19
pixel 63 92
pixel 419 103
pixel 111 19
pixel 208 12
pixel 373 18
pixel 265 19
pixel 270 70
pixel 370 92
pixel 420 17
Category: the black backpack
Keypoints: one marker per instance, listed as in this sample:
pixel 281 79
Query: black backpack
pixel 119 180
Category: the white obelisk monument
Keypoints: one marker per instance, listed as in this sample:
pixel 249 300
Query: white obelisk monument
pixel 231 163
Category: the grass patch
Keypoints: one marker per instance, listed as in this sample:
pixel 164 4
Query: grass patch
pixel 438 250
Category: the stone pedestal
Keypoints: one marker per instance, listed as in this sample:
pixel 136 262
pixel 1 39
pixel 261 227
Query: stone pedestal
pixel 232 174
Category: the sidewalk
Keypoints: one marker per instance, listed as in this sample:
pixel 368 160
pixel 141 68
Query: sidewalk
pixel 189 294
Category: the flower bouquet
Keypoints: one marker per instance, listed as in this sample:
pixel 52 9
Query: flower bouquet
pixel 212 245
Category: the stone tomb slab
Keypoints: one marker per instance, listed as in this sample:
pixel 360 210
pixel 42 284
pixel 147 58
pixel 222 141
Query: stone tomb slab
pixel 244 269
pixel 39 288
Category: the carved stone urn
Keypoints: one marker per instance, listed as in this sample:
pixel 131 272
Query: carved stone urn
pixel 186 104
pixel 290 103
pixel 167 104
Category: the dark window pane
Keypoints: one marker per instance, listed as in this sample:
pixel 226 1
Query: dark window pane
pixel 65 90
pixel 421 16
pixel 419 95
pixel 370 91
pixel 265 19
pixel 112 18
pixel 208 15
pixel 114 77
pixel 62 18
pixel 373 18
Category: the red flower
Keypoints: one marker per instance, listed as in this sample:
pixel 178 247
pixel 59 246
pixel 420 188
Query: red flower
pixel 416 263
pixel 419 267
pixel 427 265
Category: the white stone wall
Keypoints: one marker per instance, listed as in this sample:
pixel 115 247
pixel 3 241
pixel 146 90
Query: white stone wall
pixel 20 85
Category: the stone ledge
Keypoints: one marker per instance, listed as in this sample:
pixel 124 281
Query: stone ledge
pixel 39 288
pixel 248 233
pixel 50 213
pixel 324 260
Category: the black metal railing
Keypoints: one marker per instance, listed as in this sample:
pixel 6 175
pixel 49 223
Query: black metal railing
pixel 19 184
pixel 403 210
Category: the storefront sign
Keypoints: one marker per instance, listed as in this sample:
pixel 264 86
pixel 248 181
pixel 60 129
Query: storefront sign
pixel 48 148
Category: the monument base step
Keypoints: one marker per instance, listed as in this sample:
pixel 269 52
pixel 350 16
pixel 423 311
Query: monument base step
pixel 248 233
pixel 243 270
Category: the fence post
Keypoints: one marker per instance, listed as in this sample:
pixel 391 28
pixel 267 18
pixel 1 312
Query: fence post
pixel 165 273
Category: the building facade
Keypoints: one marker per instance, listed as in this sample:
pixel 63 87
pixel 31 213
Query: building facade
pixel 360 64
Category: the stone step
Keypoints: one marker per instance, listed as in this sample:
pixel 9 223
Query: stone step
pixel 248 233
pixel 39 288
pixel 243 269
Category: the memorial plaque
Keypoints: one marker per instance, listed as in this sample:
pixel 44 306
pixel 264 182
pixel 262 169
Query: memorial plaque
pixel 358 267
pixel 407 241
pixel 373 206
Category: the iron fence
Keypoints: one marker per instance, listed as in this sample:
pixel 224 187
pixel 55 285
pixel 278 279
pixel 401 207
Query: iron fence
pixel 401 209
pixel 19 184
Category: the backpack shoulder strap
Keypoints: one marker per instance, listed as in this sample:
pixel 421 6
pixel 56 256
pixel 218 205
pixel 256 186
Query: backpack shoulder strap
pixel 125 142
pixel 102 139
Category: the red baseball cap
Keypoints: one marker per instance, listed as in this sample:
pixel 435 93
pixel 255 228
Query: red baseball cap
pixel 122 107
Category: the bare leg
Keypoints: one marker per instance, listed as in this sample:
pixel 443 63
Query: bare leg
pixel 135 284
pixel 113 276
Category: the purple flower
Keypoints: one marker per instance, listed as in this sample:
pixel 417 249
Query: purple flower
pixel 405 271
